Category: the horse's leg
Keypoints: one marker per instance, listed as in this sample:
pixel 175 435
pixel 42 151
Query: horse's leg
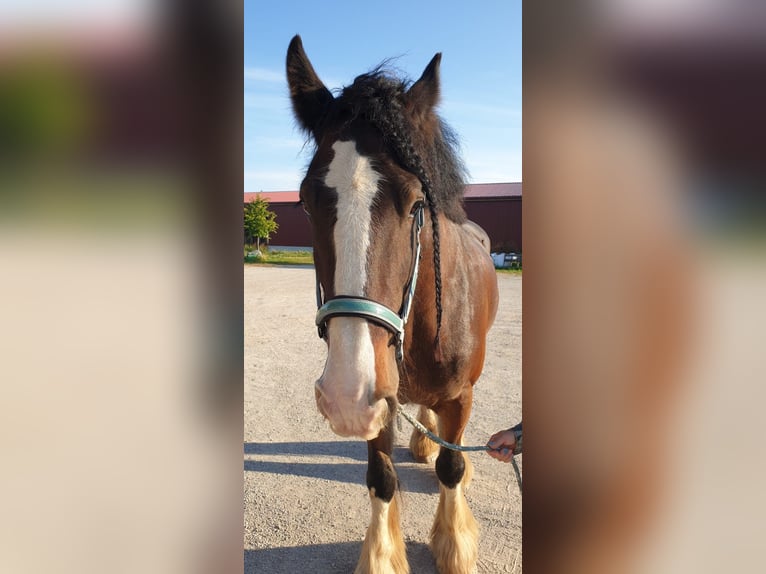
pixel 455 533
pixel 383 550
pixel 468 465
pixel 423 449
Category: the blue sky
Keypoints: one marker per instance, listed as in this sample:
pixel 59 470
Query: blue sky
pixel 480 74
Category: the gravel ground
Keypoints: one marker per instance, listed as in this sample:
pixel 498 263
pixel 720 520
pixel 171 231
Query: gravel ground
pixel 306 503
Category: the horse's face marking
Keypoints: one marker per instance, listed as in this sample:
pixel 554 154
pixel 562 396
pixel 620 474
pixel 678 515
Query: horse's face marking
pixel 356 185
pixel 347 386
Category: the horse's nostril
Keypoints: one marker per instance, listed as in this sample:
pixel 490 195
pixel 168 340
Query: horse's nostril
pixel 320 400
pixel 371 399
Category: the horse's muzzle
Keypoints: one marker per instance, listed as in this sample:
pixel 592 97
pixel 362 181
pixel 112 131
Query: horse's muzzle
pixel 349 418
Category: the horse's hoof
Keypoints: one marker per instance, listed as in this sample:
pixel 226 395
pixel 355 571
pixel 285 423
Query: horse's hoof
pixel 455 534
pixel 383 549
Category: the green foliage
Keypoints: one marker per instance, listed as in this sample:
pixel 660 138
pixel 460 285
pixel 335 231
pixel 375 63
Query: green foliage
pixel 279 257
pixel 260 222
pixel 44 107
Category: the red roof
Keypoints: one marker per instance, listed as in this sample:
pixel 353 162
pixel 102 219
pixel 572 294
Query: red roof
pixel 274 196
pixel 483 190
pixel 472 191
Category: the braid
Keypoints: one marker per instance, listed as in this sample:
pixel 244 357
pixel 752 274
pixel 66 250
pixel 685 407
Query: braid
pixel 437 270
pixel 403 147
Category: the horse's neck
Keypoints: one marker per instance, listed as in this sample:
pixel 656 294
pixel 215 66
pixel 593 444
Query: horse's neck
pixel 461 240
pixel 476 232
pixel 457 245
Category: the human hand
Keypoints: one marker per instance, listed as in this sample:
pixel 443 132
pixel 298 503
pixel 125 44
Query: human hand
pixel 502 444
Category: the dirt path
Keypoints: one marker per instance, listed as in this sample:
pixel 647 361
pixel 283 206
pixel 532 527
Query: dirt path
pixel 306 504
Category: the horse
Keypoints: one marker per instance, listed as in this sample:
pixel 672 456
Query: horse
pixel 406 289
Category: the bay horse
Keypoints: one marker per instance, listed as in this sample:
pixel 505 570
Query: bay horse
pixel 406 290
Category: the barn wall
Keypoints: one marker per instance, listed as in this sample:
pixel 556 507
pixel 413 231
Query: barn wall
pixel 294 227
pixel 500 218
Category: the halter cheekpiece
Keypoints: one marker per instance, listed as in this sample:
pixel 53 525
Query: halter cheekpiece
pixel 370 310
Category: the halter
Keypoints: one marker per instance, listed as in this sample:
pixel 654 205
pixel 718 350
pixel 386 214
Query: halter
pixel 370 310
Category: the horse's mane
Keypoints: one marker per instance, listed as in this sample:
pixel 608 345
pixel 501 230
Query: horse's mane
pixel 421 145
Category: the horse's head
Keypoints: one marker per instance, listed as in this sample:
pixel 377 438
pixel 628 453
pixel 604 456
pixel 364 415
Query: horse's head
pixel 363 204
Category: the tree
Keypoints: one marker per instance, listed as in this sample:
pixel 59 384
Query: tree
pixel 260 221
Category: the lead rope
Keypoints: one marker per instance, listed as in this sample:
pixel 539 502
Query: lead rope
pixel 451 446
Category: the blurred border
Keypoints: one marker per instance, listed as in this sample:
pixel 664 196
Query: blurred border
pixel 120 249
pixel 644 235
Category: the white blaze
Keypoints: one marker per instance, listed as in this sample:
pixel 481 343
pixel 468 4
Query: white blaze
pixel 357 184
pixel 350 369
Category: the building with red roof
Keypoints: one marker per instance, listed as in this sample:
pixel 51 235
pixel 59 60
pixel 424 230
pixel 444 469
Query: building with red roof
pixel 496 207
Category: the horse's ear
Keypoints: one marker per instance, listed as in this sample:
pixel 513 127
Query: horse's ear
pixel 424 94
pixel 309 95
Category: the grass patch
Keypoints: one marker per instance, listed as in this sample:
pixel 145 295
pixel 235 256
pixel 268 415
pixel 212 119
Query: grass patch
pixel 307 258
pixel 280 257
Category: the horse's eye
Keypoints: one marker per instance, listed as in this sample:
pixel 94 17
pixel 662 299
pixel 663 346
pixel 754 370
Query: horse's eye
pixel 418 205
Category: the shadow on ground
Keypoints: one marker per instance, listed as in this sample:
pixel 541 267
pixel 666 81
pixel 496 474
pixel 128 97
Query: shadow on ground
pixel 413 477
pixel 356 450
pixel 337 558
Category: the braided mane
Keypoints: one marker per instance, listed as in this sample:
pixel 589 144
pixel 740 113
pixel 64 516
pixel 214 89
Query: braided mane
pixel 425 146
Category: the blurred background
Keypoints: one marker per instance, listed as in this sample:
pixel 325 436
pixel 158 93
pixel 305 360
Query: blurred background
pixel 121 330
pixel 644 272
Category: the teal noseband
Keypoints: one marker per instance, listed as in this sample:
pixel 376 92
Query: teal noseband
pixel 361 307
pixel 364 308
